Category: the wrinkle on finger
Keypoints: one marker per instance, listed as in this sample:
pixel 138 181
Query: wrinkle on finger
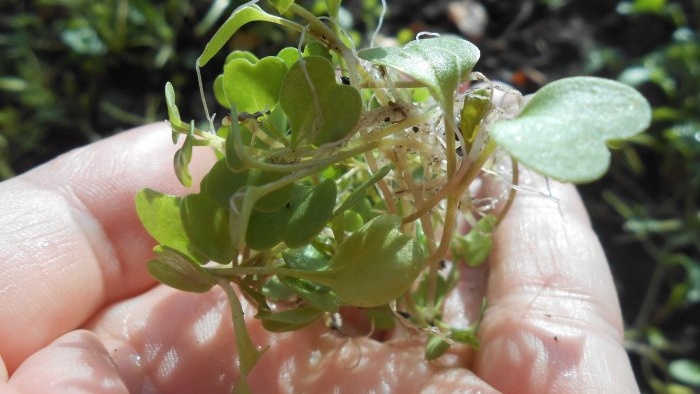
pixel 175 342
pixel 553 319
pixel 75 363
pixel 71 241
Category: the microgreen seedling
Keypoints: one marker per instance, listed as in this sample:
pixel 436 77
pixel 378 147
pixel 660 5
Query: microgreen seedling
pixel 336 187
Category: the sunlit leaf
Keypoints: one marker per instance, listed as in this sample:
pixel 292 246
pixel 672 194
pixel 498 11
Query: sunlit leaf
pixel 220 184
pixel 290 320
pixel 563 130
pixel 207 227
pixel 253 87
pixel 275 290
pixel 359 192
pixel 476 245
pixel 319 109
pixel 281 5
pixel 173 112
pixel 310 215
pixel 476 105
pixel 249 56
pixel 289 56
pixel 440 63
pixel 274 200
pixel 374 265
pixel 686 371
pixel 466 336
pixel 183 157
pixel 241 16
pixel 315 48
pixel 176 270
pixel 435 347
pixel 309 258
pixel 160 215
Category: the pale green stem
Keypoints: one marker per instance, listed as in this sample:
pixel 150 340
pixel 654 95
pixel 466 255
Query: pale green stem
pixel 244 344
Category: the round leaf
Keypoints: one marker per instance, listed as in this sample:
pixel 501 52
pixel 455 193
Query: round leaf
pixel 253 87
pixel 273 200
pixel 319 109
pixel 160 215
pixel 176 270
pixel 290 320
pixel 374 265
pixel 311 215
pixel 207 226
pixel 563 130
pixel 440 63
pixel 220 184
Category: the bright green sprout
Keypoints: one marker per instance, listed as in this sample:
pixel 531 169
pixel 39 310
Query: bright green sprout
pixel 337 186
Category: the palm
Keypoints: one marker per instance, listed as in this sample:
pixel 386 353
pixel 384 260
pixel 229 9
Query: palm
pixel 552 325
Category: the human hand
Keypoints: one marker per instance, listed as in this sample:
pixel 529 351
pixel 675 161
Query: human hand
pixel 81 314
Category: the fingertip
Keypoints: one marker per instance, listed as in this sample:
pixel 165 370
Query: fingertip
pixel 76 362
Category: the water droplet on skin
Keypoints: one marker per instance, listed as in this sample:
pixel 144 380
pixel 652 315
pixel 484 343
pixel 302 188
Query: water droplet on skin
pixel 137 360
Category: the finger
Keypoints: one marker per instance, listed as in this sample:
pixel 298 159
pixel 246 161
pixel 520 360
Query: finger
pixel 553 324
pixel 70 241
pixel 174 342
pixel 77 362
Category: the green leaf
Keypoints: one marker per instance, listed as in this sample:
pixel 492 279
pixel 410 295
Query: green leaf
pixel 242 15
pixel 319 109
pixel 360 192
pixel 220 184
pixel 466 336
pixel 315 48
pixel 282 5
pixel 374 265
pixel 333 7
pixel 311 215
pixel 249 56
pixel 686 371
pixel 290 320
pixel 289 56
pixel 183 157
pixel 274 200
pixel 219 94
pixel 274 290
pixel 173 112
pixel 309 258
pixel 440 63
pixel 207 227
pixel 476 246
pixel 563 130
pixel 235 133
pixel 160 215
pixel 435 348
pixel 178 271
pixel 476 106
pixel 265 229
pixel 253 87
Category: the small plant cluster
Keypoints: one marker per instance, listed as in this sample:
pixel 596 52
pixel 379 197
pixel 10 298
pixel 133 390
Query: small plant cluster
pixel 342 173
pixel 662 219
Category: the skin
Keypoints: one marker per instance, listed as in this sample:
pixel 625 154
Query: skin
pixel 81 314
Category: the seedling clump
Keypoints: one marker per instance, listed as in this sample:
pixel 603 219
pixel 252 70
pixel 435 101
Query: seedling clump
pixel 342 173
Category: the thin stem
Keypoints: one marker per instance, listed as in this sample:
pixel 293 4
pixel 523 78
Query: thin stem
pixel 513 191
pixel 323 32
pixel 465 175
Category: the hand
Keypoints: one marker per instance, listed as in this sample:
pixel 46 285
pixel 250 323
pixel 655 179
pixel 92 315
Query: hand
pixel 81 314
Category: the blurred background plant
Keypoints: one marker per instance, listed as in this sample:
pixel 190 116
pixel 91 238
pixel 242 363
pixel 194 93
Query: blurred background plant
pixel 72 71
